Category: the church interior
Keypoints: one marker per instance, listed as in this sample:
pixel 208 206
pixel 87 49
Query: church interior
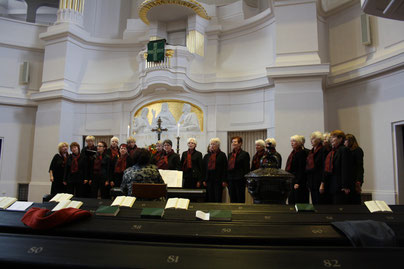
pixel 253 68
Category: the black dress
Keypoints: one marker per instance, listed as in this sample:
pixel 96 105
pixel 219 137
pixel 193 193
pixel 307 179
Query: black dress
pixel 315 175
pixel 75 179
pixel 358 171
pixel 214 177
pixel 193 175
pixel 298 168
pixel 235 176
pixel 341 176
pixel 118 175
pixel 57 167
pixel 100 176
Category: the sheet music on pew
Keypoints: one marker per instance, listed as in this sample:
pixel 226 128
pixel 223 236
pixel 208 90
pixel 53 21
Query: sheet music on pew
pixel 377 206
pixel 172 178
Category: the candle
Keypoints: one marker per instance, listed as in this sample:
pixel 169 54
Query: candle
pixel 178 130
pixel 128 130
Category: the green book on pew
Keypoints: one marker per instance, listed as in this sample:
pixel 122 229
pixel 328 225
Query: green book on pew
pixel 304 208
pixel 220 214
pixel 152 213
pixel 105 210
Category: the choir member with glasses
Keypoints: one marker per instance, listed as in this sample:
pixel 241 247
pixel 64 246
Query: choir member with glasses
pixel 169 160
pixel 214 171
pixel 238 165
pixel 57 169
pixel 123 162
pixel 191 163
pixel 100 173
pixel 76 172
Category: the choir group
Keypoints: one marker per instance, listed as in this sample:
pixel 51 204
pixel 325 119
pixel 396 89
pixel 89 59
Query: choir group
pixel 331 172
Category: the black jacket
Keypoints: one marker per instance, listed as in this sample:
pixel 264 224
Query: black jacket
pixel 298 168
pixel 220 172
pixel 241 166
pixel 196 172
pixel 357 158
pixel 341 176
pixel 316 175
pixel 81 174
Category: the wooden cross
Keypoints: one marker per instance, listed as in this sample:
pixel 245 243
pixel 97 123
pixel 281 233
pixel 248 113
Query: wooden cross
pixel 158 129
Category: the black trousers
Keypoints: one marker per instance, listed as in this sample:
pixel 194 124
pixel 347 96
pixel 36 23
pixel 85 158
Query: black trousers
pixel 237 190
pixel 300 195
pixel 78 189
pixel 98 184
pixel 58 186
pixel 214 191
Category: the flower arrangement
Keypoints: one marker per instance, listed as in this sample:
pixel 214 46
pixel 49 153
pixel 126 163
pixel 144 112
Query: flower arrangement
pixel 152 148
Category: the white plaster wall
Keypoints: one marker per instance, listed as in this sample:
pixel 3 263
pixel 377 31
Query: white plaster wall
pixel 105 18
pixel 247 54
pixel 17 125
pixel 367 109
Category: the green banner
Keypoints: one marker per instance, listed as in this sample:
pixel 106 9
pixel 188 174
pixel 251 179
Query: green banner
pixel 155 50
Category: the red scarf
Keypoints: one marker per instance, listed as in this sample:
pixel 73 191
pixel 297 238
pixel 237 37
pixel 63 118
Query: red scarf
pixel 256 159
pixel 97 164
pixel 188 163
pixel 290 159
pixel 329 161
pixel 163 162
pixel 75 163
pixel 114 152
pixel 120 165
pixel 232 159
pixel 310 157
pixel 212 160
pixel 64 156
pixel 131 151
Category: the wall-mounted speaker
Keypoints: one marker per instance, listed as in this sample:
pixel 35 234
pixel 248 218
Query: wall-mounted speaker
pixel 25 73
pixel 365 29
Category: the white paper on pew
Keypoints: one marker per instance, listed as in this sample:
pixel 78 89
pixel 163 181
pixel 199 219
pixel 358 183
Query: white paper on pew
pixel 202 215
pixel 20 206
pixel 172 178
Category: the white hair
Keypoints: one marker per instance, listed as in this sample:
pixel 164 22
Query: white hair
pixel 115 138
pixel 317 135
pixel 191 139
pixel 260 142
pixel 298 138
pixel 271 140
pixel 215 140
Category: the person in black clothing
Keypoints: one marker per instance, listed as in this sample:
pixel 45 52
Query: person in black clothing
pixel 271 146
pixel 296 164
pixel 260 152
pixel 238 166
pixel 358 171
pixel 113 150
pixel 315 167
pixel 100 173
pixel 214 171
pixel 338 169
pixel 131 142
pixel 76 176
pixel 191 163
pixel 169 160
pixel 122 162
pixel 57 169
pixel 90 151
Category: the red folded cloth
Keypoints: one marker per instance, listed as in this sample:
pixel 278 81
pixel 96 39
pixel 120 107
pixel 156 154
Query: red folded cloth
pixel 38 218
